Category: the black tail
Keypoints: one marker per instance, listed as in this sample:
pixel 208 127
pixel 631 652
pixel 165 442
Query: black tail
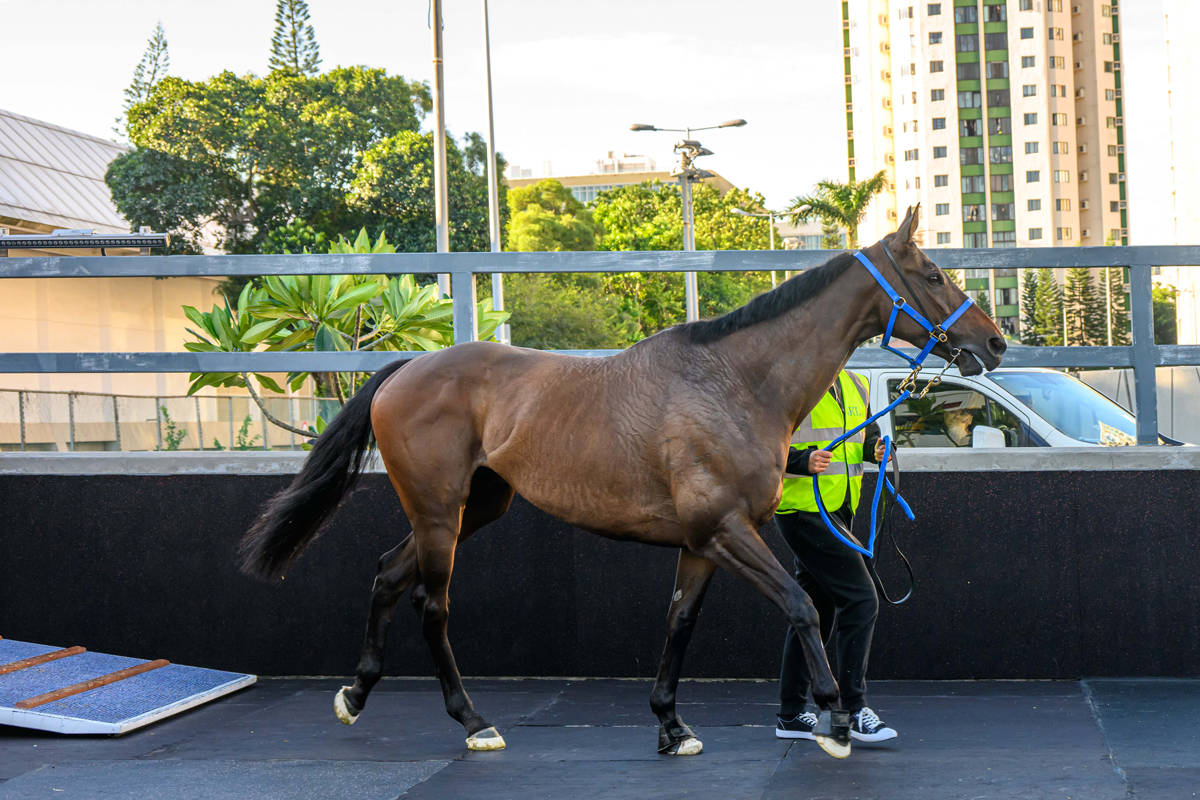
pixel 295 516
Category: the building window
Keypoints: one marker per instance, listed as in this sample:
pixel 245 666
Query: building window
pixel 1026 33
pixel 1005 239
pixel 1106 11
pixel 995 13
pixel 1106 38
pixel 1001 211
pixel 965 14
pixel 1028 61
pixel 941 209
pixel 937 94
pixel 1000 126
pixel 1060 148
pixel 1108 94
pixel 995 41
pixel 939 152
pixel 934 9
pixel 1026 5
pixel 1056 34
pixel 1114 206
pixel 1062 204
pixel 997 70
pixel 970 155
pixel 1031 119
pixel 1115 234
pixel 939 123
pixel 1002 183
pixel 997 98
pixel 1033 176
pixel 974 240
pixel 1108 66
pixel 1058 119
pixel 967 71
pixel 1031 147
pixel 970 127
pixel 968 42
pixel 935 37
pixel 1000 155
pixel 1110 122
pixel 1112 149
pixel 1033 205
pixel 1054 5
pixel 1035 233
pixel 941 180
pixel 1112 177
pixel 969 100
pixel 971 184
pixel 935 66
pixel 973 213
pixel 1062 176
pixel 1064 234
pixel 943 238
pixel 1029 90
pixel 912 155
pixel 1058 62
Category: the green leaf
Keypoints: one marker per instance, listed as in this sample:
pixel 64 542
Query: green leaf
pixel 256 333
pixel 356 296
pixel 328 339
pixel 269 383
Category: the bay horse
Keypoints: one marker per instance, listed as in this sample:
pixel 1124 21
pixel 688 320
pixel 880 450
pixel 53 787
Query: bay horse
pixel 679 441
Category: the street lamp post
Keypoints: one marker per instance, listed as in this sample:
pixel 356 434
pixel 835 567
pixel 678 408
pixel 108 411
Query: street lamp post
pixel 502 335
pixel 770 215
pixel 688 150
pixel 441 201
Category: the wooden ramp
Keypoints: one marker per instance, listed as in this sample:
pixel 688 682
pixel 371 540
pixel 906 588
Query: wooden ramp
pixel 72 690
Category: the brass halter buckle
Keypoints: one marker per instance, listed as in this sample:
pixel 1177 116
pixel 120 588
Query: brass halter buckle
pixel 937 379
pixel 909 384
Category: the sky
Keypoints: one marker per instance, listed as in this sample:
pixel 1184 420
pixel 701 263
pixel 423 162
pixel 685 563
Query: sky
pixel 569 77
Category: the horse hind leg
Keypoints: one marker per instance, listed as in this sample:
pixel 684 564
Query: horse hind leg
pixel 692 577
pixel 489 498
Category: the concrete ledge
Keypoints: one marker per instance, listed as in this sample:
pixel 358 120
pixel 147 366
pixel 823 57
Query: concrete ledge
pixel 1027 459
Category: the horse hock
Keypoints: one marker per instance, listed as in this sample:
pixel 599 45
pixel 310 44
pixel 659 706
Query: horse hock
pixel 833 733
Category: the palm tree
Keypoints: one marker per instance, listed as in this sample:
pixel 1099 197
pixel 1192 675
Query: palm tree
pixel 842 203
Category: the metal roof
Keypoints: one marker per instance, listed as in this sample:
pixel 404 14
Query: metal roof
pixel 52 176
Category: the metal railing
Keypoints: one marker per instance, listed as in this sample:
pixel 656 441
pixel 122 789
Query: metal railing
pixel 1143 355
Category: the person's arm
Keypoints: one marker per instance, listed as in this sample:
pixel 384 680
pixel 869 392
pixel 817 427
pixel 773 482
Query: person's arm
pixel 797 461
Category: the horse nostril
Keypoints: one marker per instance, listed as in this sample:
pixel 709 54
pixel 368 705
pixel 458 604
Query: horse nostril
pixel 997 346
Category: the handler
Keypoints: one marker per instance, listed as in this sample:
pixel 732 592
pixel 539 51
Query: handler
pixel 832 574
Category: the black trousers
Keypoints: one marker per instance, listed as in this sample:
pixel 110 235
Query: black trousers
pixel 836 579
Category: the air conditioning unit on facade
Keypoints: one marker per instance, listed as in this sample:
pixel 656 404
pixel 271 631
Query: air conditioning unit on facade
pixel 883 20
pixel 1123 204
pixel 850 134
pixel 1083 176
pixel 884 47
pixel 851 163
pixel 885 75
pixel 1085 233
pixel 1083 205
pixel 887 102
pixel 845 52
pixel 1076 9
pixel 1077 37
pixel 1116 38
pixel 849 79
pixel 1079 93
pixel 1116 65
pixel 889 158
pixel 845 24
pixel 1120 121
pixel 1120 149
pixel 1083 148
pixel 849 107
pixel 1081 120
pixel 1117 93
pixel 887 130
pixel 1120 177
pixel 891 213
pixel 1078 65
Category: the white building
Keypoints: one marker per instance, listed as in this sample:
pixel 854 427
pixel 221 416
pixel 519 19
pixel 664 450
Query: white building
pixel 1001 117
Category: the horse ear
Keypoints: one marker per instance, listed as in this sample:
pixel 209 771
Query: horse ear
pixel 908 229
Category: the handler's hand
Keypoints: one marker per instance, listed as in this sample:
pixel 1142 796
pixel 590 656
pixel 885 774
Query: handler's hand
pixel 818 462
pixel 879 452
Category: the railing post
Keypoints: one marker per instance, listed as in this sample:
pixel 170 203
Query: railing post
pixel 117 422
pixel 71 418
pixel 158 422
pixel 466 324
pixel 21 412
pixel 199 423
pixel 1145 352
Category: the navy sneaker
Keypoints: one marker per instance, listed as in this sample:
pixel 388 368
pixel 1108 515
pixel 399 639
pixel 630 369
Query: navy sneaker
pixel 866 726
pixel 798 727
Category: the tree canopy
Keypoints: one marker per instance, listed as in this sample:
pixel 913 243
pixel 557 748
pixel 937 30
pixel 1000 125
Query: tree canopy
pixel 153 67
pixel 294 43
pixel 545 217
pixel 842 203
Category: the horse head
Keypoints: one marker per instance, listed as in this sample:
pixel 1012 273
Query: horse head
pixel 975 337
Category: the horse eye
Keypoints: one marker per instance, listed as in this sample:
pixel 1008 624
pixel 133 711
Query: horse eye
pixel 935 278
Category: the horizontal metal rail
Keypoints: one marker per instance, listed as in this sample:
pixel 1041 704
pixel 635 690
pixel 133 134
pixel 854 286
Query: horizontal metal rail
pixel 1143 356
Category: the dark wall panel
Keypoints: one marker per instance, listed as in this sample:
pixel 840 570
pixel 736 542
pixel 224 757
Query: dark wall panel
pixel 1020 575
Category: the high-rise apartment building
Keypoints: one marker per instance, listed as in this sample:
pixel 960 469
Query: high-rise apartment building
pixel 1001 117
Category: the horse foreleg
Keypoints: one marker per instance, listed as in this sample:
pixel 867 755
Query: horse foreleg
pixel 395 573
pixel 692 577
pixel 738 548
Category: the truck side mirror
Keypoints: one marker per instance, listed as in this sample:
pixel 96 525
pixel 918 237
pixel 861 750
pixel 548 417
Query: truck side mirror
pixel 983 436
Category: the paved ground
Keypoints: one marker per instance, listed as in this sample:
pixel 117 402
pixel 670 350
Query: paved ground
pixel 595 739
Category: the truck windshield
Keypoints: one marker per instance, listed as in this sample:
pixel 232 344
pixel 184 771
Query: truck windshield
pixel 1071 406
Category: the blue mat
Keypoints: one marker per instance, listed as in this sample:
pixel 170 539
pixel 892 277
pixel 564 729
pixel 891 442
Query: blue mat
pixel 111 709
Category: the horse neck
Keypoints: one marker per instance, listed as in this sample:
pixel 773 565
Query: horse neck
pixel 790 361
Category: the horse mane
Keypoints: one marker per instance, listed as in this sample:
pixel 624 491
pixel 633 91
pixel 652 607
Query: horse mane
pixel 769 305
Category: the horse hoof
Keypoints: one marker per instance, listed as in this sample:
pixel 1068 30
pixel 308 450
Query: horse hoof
pixel 486 739
pixel 688 747
pixel 342 708
pixel 676 739
pixel 833 746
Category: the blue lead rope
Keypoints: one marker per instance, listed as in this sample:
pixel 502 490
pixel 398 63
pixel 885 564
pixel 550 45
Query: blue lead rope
pixel 937 333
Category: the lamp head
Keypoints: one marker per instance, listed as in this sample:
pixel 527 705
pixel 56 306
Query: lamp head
pixel 733 123
pixel 640 127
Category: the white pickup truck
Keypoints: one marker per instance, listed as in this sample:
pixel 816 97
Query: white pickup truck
pixel 1006 408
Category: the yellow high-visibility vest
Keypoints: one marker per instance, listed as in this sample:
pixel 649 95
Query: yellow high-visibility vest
pixel 826 423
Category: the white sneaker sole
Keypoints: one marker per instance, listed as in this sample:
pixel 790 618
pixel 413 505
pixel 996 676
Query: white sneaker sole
pixel 782 734
pixel 882 736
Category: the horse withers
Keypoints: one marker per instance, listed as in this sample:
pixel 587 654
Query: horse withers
pixel 679 441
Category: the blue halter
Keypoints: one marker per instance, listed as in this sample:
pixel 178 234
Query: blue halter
pixel 937 333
